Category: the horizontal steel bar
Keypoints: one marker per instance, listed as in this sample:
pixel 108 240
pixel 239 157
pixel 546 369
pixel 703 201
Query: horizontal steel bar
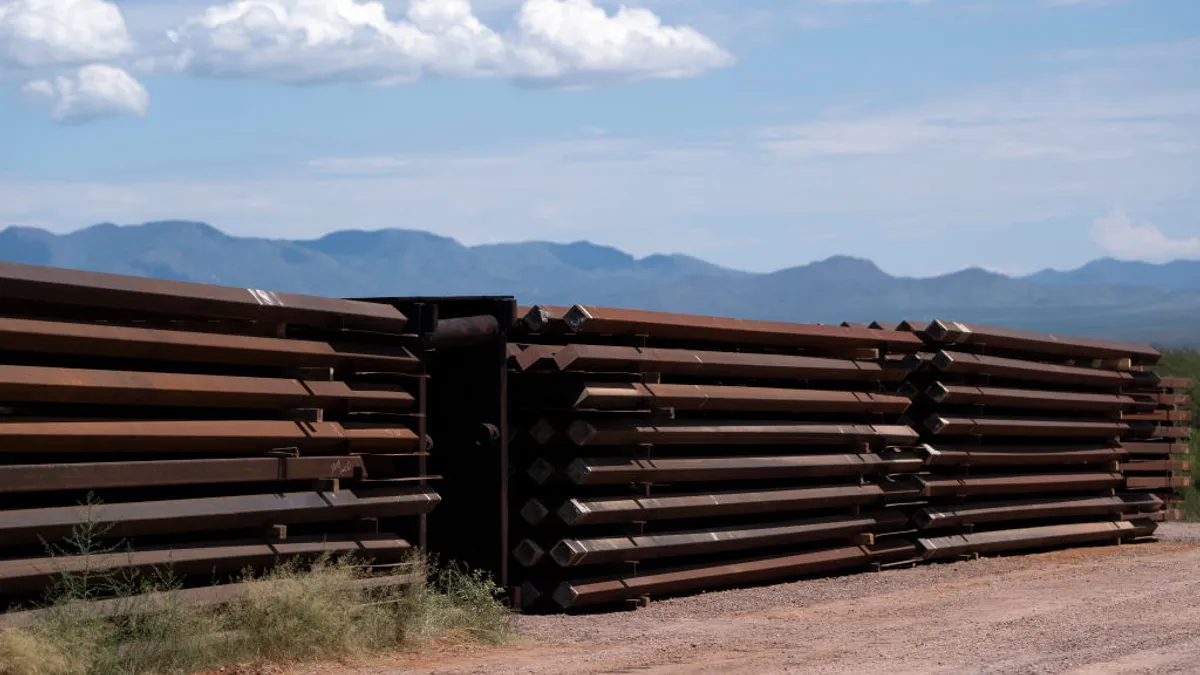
pixel 594 551
pixel 1032 509
pixel 627 432
pixel 543 318
pixel 537 357
pixel 1000 426
pixel 464 331
pixel 97 475
pixel 1151 430
pixel 224 436
pixel 616 470
pixel 663 325
pixel 173 516
pixel 116 291
pixel 702 505
pixel 1155 482
pixel 634 395
pixel 31 574
pixel 1160 416
pixel 954 332
pixel 1155 448
pixel 1021 455
pixel 1033 537
pixel 1033 371
pixel 1175 383
pixel 119 387
pixel 605 358
pixel 595 592
pixel 1021 484
pixel 1157 465
pixel 59 337
pixel 1027 398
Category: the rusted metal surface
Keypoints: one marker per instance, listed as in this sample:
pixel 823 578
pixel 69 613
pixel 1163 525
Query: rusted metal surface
pixel 597 550
pixel 1041 508
pixel 1032 399
pixel 1033 537
pixel 542 318
pixel 60 337
pixel 116 387
pixel 1157 465
pixel 30 574
pixel 663 325
pixel 1157 482
pixel 97 475
pixel 618 470
pixel 1160 416
pixel 685 432
pixel 1156 449
pixel 953 332
pixel 537 356
pixel 1001 426
pixel 1032 371
pixel 215 513
pixel 1175 382
pixel 1021 484
pixel 634 395
pixel 464 332
pixel 114 291
pixel 609 358
pixel 1020 455
pixel 628 509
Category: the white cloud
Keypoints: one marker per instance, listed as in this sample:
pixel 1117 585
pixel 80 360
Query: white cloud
pixel 1118 234
pixel 36 33
pixel 307 41
pixel 95 91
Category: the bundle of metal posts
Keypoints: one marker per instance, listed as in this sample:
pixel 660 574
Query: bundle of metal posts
pixel 656 453
pixel 1022 434
pixel 201 428
pixel 1158 460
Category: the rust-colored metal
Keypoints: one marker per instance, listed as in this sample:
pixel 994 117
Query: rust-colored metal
pixel 1033 537
pixel 618 470
pixel 1001 426
pixel 536 357
pixel 463 331
pixel 1152 430
pixel 1155 449
pixel 605 358
pixel 543 318
pixel 600 550
pixel 1175 383
pixel 1160 416
pixel 703 505
pixel 224 437
pixel 97 475
pixel 1157 482
pixel 1021 484
pixel 1027 398
pixel 1021 455
pixel 119 387
pixel 687 432
pixel 1157 465
pixel 115 291
pixel 1041 508
pixel 127 519
pixel 1033 371
pixel 663 325
pixel 60 337
pixel 634 395
pixel 954 332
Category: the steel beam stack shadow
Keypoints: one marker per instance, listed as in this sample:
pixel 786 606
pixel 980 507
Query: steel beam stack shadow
pixel 657 453
pixel 1022 435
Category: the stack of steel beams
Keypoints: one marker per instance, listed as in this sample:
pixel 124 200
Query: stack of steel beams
pixel 1158 452
pixel 657 453
pixel 214 428
pixel 1022 435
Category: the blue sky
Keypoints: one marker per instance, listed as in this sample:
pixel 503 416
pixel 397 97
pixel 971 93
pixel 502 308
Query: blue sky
pixel 926 135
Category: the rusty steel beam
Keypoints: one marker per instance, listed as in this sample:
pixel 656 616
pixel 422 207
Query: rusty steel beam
pixel 1156 449
pixel 600 591
pixel 119 387
pixel 1033 537
pixel 98 475
pixel 223 436
pixel 59 337
pixel 617 470
pixel 1157 465
pixel 1002 426
pixel 127 519
pixel 936 486
pixel 1041 508
pixel 1001 397
pixel 953 332
pixel 1152 430
pixel 1021 455
pixel 634 395
pixel 598 550
pixel 687 432
pixel 31 574
pixel 1016 369
pixel 606 358
pixel 543 318
pixel 1157 482
pixel 702 505
pixel 1175 383
pixel 1160 416
pixel 664 325
pixel 178 298
pixel 463 332
pixel 537 357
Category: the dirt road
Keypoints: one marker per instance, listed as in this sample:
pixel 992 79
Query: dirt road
pixel 1128 609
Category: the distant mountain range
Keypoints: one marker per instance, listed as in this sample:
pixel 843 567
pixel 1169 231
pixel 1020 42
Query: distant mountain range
pixel 1105 298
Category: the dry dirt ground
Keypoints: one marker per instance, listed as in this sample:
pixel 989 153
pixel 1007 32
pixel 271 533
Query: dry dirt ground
pixel 1113 609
